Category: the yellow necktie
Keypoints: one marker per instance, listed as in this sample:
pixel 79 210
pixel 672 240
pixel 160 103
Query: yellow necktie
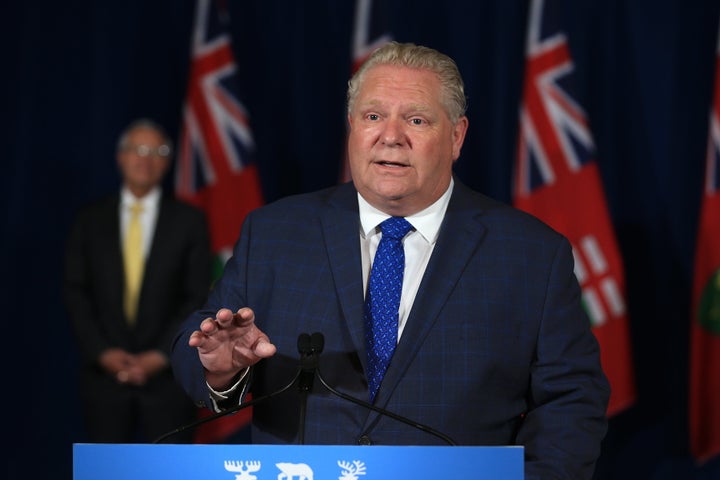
pixel 134 262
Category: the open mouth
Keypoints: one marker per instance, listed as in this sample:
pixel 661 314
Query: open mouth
pixel 386 163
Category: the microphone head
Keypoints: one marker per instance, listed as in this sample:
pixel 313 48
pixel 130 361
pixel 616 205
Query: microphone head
pixel 317 342
pixel 304 344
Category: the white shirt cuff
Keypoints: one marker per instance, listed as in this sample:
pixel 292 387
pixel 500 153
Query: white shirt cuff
pixel 216 396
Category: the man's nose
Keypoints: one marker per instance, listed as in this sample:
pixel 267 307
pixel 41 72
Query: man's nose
pixel 393 132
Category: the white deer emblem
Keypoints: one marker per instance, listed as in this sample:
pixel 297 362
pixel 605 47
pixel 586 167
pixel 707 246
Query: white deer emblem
pixel 244 469
pixel 350 471
pixel 289 471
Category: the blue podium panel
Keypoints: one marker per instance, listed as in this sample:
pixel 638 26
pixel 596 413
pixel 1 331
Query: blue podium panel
pixel 294 462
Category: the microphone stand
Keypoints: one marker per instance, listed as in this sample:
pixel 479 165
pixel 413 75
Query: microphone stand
pixel 311 369
pixel 388 413
pixel 229 411
pixel 310 347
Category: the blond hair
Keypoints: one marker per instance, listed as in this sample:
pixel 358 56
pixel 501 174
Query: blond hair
pixel 419 57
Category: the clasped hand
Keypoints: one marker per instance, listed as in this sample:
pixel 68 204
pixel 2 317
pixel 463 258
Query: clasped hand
pixel 133 368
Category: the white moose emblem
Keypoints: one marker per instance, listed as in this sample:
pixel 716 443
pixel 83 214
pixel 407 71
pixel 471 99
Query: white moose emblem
pixel 290 471
pixel 350 471
pixel 244 469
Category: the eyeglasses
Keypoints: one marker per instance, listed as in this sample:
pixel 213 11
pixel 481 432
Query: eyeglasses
pixel 146 151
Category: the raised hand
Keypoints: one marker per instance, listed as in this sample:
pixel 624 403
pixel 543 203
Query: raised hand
pixel 229 343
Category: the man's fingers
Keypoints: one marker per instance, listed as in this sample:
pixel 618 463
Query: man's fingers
pixel 197 338
pixel 224 317
pixel 208 326
pixel 264 349
pixel 244 317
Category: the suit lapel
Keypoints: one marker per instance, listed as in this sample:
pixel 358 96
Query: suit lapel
pixel 340 225
pixel 460 237
pixel 112 258
pixel 161 236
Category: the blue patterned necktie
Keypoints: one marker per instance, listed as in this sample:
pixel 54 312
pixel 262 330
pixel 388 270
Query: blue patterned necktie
pixel 382 300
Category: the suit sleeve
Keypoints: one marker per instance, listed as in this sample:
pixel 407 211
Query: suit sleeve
pixel 566 422
pixel 225 293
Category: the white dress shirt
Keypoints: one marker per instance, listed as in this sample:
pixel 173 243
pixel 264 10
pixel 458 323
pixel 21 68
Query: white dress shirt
pixel 418 244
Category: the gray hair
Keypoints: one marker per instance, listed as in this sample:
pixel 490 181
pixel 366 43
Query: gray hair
pixel 418 57
pixel 145 124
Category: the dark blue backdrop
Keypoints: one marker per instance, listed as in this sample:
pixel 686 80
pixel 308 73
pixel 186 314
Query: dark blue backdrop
pixel 79 71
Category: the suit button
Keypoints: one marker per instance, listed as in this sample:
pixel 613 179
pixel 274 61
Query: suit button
pixel 364 440
pixel 200 404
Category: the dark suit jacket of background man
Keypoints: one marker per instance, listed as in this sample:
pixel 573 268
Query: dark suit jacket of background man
pixel 176 281
pixel 497 296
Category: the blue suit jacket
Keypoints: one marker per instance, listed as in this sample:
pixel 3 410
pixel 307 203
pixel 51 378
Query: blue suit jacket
pixel 497 349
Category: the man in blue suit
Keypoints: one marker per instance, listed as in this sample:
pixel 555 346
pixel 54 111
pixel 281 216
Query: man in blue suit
pixel 492 344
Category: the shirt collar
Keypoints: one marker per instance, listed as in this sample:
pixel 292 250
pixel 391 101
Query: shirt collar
pixel 426 222
pixel 149 201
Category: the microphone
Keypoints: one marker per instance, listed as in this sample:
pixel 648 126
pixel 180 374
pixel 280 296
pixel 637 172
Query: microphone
pixel 229 411
pixel 309 347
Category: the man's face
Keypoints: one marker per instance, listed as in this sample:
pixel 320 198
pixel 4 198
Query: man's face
pixel 141 163
pixel 402 145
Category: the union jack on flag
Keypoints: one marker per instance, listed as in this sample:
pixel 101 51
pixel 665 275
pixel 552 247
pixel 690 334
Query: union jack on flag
pixel 216 169
pixel 558 181
pixel 555 138
pixel 371 30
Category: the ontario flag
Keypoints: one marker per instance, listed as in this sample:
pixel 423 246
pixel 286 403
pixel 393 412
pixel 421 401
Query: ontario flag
pixel 557 179
pixel 370 31
pixel 705 323
pixel 216 169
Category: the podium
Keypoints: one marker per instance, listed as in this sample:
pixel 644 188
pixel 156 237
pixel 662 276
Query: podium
pixel 294 462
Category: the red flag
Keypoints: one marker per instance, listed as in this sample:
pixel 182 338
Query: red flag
pixel 557 180
pixel 370 32
pixel 216 169
pixel 705 323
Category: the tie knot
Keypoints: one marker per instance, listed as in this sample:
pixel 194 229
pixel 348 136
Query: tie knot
pixel 395 227
pixel 136 208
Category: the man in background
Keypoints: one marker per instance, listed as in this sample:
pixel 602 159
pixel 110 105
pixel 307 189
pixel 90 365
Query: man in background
pixel 137 262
